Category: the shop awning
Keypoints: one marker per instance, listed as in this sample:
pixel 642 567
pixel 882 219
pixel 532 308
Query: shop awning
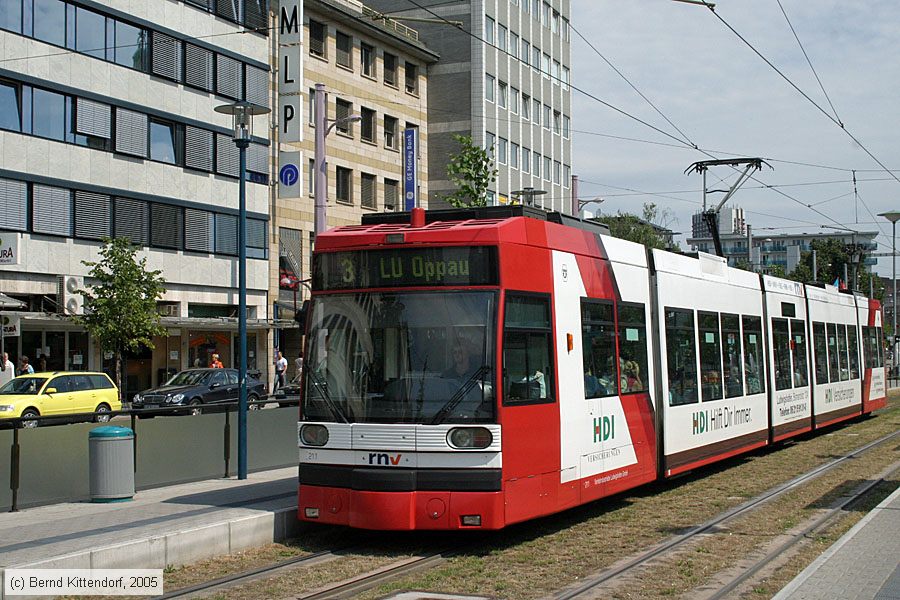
pixel 7 302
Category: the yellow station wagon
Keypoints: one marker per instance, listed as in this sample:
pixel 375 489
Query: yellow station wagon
pixel 59 394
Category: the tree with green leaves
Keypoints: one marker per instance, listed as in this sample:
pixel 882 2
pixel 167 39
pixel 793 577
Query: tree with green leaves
pixel 831 256
pixel 633 228
pixel 472 171
pixel 120 301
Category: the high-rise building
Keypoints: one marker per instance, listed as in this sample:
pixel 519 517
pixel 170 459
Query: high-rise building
pixel 108 129
pixel 504 79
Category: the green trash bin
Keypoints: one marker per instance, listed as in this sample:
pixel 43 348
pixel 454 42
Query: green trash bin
pixel 111 454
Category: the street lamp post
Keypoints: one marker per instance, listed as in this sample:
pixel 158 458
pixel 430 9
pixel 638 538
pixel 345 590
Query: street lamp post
pixel 527 195
pixel 893 216
pixel 322 130
pixel 242 114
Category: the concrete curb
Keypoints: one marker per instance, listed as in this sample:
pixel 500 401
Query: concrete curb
pixel 180 547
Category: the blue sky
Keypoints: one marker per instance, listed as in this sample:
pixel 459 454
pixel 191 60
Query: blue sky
pixel 728 101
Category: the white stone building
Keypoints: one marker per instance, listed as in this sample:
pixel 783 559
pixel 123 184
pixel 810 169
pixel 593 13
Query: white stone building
pixel 108 129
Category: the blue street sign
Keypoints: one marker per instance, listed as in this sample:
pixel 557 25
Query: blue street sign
pixel 410 168
pixel 289 174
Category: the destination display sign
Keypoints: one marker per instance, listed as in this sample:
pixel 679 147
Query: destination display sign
pixel 406 267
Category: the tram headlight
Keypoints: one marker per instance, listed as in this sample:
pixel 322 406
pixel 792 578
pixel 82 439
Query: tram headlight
pixel 470 437
pixel 314 435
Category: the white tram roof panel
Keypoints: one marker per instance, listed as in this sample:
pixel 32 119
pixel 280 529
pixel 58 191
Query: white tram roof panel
pixel 704 266
pixel 828 293
pixel 624 251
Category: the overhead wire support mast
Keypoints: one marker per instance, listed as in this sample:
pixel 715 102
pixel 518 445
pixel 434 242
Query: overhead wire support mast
pixel 711 215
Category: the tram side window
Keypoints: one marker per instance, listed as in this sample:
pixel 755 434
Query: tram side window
pixel 820 353
pixel 842 352
pixel 598 339
pixel 834 370
pixel 633 347
pixel 710 356
pixel 754 355
pixel 527 348
pixel 681 356
pixel 798 344
pixel 781 341
pixel 731 356
pixel 853 344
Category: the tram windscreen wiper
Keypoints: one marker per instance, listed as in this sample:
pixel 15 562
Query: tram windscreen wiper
pixel 319 385
pixel 456 398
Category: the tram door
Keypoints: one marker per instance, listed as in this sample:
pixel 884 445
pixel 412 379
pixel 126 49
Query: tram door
pixel 530 416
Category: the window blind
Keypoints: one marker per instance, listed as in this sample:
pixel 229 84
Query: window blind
pixel 197 230
pixel 198 67
pixel 257 85
pixel 131 220
pixel 227 156
pixel 13 205
pixel 93 118
pixel 93 215
pixel 166 56
pixel 229 77
pixel 131 132
pixel 198 148
pixel 166 226
pixel 226 234
pixel 51 210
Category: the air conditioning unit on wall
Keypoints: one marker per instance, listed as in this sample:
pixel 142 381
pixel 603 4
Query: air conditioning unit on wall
pixel 68 300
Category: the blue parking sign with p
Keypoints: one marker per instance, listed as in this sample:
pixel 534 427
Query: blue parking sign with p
pixel 289 174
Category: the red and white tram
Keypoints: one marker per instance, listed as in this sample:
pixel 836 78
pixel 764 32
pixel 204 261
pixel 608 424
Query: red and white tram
pixel 483 367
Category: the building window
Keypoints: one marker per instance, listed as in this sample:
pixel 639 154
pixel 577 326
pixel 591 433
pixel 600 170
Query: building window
pixel 367 124
pixel 489 142
pixel 344 185
pixel 390 69
pixel 344 46
pixel 91 33
pixel 391 194
pixel 198 148
pixel 545 64
pixel 501 152
pixel 526 160
pixel 390 132
pixel 536 57
pixel 536 165
pixel 526 107
pixel 514 100
pixel 546 117
pixel 311 177
pixel 545 15
pixel 367 58
pixel 131 46
pixel 503 93
pixel 11 16
pixel 489 30
pixel 489 87
pixel 513 45
pixel 526 52
pixel 10 116
pixel 367 191
pixel 198 67
pixel 412 78
pixel 547 168
pixel 567 175
pixel 342 113
pixel 555 71
pixel 49 114
pixel 13 205
pixel 501 37
pixel 514 155
pixel 557 129
pixel 49 21
pixel 536 105
pixel 318 38
pixel 557 172
pixel 565 126
pixel 565 77
pixel 162 141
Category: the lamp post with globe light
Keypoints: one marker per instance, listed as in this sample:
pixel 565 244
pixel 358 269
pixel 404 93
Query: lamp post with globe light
pixel 893 216
pixel 242 114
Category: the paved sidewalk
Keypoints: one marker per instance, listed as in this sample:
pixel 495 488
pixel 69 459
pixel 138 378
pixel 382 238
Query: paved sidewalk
pixel 863 565
pixel 166 526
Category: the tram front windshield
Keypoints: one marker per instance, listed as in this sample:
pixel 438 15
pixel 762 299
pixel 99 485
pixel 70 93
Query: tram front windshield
pixel 401 357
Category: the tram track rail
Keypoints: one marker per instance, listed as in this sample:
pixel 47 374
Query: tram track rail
pixel 591 583
pixel 820 523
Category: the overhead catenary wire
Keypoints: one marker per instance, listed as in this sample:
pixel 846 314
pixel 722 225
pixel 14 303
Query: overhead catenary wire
pixel 809 62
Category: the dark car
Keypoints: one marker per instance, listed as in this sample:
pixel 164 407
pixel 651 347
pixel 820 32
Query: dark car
pixel 196 389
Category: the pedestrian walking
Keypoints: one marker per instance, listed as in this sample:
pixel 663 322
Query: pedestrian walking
pixel 281 364
pixel 7 369
pixel 24 367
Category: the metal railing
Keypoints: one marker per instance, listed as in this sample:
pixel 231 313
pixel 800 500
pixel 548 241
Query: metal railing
pixel 18 424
